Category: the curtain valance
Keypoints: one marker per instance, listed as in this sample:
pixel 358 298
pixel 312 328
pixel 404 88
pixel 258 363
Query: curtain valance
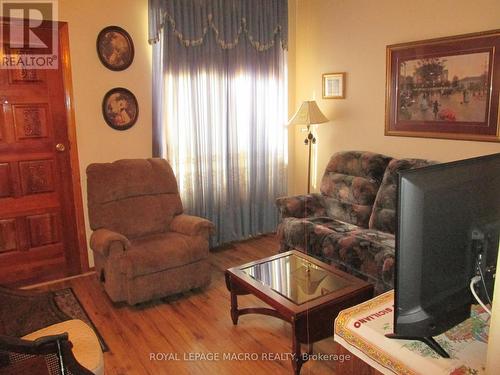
pixel 261 21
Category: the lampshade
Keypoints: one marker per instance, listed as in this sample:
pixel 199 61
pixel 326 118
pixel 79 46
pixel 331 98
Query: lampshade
pixel 308 113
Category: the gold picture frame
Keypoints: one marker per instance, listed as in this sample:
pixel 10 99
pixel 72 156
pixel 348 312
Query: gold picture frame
pixel 334 85
pixel 459 101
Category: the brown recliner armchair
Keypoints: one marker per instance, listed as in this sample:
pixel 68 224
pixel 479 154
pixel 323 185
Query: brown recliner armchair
pixel 144 246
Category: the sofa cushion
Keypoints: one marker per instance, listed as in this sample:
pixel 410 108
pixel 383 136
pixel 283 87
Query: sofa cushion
pixel 366 253
pixel 134 197
pixel 161 252
pixel 350 184
pixel 383 216
pixel 307 234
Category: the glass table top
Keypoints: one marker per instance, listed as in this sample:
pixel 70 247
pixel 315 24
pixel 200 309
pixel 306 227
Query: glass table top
pixel 295 278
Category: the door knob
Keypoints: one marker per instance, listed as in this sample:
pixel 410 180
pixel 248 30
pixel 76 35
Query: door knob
pixel 60 147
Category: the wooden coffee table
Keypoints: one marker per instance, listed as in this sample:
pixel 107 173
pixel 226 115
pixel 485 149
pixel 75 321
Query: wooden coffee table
pixel 300 290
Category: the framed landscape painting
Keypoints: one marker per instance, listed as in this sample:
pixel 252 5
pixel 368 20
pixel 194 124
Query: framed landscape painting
pixel 445 88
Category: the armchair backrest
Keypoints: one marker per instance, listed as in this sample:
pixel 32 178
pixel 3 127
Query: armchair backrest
pixel 134 197
pixel 350 184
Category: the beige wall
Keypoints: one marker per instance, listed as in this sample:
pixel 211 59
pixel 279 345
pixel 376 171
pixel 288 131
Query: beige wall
pixel 351 36
pixel 97 142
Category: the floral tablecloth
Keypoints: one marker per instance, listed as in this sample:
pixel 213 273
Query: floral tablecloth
pixel 361 329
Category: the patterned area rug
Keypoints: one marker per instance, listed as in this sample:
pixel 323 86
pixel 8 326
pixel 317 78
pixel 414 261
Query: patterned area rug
pixel 68 302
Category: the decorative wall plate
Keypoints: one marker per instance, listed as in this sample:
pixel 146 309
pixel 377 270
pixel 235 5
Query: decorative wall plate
pixel 115 48
pixel 120 108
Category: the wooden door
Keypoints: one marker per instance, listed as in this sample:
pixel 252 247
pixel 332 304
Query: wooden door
pixel 40 236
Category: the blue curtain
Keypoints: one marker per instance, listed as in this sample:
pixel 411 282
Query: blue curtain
pixel 220 108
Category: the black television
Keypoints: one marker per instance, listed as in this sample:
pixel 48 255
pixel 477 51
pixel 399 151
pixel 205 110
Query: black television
pixel 448 224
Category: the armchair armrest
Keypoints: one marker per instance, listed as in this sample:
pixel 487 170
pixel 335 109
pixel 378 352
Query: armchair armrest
pixel 300 206
pixel 42 345
pixel 28 350
pixel 191 225
pixel 105 241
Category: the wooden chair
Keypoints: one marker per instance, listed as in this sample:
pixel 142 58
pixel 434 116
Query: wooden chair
pixel 35 337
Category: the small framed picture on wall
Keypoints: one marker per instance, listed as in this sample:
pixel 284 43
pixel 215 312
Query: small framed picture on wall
pixel 115 48
pixel 120 108
pixel 334 85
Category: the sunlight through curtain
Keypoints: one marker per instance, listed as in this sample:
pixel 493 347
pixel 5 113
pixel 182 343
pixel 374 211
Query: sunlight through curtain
pixel 220 108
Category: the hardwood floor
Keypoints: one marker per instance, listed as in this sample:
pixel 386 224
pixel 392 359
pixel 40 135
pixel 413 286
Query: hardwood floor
pixel 195 324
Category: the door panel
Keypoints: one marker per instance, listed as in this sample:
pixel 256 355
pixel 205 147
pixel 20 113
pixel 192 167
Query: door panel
pixel 5 181
pixel 36 197
pixel 44 229
pixel 8 232
pixel 37 176
pixel 30 121
pixel 26 76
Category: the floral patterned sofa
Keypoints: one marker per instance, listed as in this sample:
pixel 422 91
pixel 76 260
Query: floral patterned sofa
pixel 351 222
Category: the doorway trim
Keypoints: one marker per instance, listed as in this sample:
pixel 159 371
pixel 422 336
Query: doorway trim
pixel 73 151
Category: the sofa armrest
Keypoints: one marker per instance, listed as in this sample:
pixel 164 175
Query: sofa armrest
pixel 301 206
pixel 105 241
pixel 191 225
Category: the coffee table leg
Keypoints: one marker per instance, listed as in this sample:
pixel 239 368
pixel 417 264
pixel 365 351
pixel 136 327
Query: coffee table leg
pixel 310 348
pixel 234 298
pixel 297 356
pixel 234 307
pixel 297 360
